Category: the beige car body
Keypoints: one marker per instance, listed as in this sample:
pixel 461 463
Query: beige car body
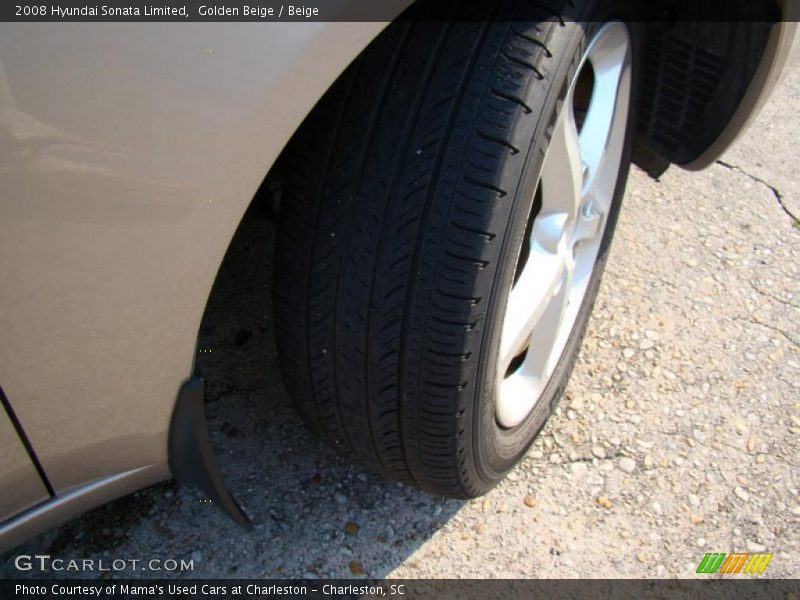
pixel 128 156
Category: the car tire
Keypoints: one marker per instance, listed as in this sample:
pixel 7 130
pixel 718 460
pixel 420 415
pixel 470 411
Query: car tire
pixel 446 215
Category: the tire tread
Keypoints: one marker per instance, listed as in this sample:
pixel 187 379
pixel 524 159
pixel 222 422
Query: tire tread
pixel 383 240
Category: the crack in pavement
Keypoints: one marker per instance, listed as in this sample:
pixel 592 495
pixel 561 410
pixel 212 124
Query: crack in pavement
pixel 778 330
pixel 591 458
pixel 773 296
pixel 775 191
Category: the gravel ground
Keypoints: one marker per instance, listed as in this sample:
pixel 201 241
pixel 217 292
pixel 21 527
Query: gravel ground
pixel 678 434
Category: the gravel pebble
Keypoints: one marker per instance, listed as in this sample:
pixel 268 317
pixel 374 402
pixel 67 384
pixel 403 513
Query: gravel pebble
pixel 627 464
pixel 604 501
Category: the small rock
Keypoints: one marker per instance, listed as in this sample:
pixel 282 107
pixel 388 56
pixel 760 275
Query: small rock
pixel 641 557
pixel 529 501
pixel 340 498
pixel 603 501
pixel 627 464
pixel 755 546
pixel 480 528
pixel 696 519
pixel 578 468
pixel 351 528
pixel 355 567
pixel 656 507
pixel 598 452
pixel 701 542
pixel 694 500
pixel 741 493
pixel 596 479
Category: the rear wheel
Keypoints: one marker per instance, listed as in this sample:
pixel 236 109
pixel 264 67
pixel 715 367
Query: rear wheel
pixel 446 217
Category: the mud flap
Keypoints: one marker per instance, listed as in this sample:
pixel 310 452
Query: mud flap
pixel 191 456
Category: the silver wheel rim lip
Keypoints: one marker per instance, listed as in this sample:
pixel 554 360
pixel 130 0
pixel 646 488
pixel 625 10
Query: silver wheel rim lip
pixel 578 179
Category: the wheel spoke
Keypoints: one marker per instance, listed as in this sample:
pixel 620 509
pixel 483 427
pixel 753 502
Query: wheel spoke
pixel 600 141
pixel 563 171
pixel 543 336
pixel 529 299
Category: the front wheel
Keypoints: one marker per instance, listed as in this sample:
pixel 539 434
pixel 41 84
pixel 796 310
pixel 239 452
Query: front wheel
pixel 445 222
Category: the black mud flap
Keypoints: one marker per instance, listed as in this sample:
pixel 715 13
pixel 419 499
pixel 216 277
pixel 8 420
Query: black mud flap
pixel 191 457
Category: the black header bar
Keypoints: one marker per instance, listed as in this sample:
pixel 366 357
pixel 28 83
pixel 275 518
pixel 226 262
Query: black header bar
pixel 357 10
